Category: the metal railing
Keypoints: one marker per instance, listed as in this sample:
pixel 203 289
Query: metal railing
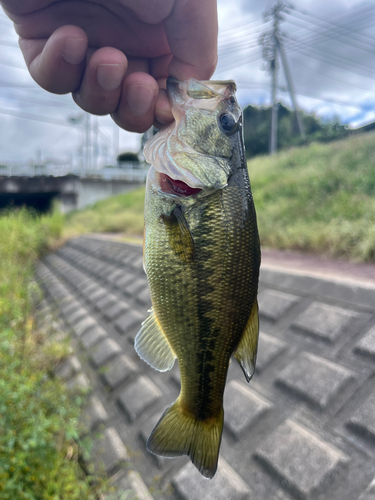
pixel 132 172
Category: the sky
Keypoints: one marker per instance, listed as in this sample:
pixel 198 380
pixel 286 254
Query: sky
pixel 329 47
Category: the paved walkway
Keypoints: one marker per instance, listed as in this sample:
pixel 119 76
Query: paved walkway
pixel 304 428
pixel 319 266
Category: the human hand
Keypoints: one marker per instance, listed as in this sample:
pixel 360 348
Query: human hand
pixel 114 55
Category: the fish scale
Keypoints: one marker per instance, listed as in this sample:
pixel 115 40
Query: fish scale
pixel 202 262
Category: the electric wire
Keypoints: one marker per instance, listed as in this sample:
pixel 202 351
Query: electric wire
pixel 348 30
pixel 331 36
pixel 327 58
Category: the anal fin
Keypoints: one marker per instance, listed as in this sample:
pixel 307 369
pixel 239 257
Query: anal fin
pixel 246 351
pixel 152 345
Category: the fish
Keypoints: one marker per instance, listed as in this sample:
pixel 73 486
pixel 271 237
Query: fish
pixel 201 258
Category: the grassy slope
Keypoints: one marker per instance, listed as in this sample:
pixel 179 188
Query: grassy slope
pixel 318 198
pixel 38 418
pixel 119 214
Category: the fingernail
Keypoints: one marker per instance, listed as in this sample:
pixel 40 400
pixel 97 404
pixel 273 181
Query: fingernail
pixel 139 98
pixel 74 50
pixel 109 76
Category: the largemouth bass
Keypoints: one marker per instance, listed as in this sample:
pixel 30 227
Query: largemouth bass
pixel 202 257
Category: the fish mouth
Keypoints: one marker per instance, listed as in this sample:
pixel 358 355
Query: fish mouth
pixel 175 187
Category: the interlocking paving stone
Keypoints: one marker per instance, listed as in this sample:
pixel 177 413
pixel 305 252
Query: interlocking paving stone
pixel 76 316
pixel 95 413
pixel 366 346
pixel 137 263
pixel 118 370
pixel 139 396
pixel 225 485
pixel 315 379
pixel 144 296
pixel 71 306
pixel 92 337
pixel 301 458
pixel 97 295
pixel 134 288
pixel 369 494
pixel 69 368
pixel 84 325
pixel 105 302
pixel 128 321
pixel 80 382
pixel 114 311
pixel 273 304
pixel 324 321
pixel 363 419
pixel 269 348
pixel 129 486
pixel 243 407
pixel 115 276
pixel 86 266
pixel 87 288
pixel 106 350
pixel 125 281
pixel 110 450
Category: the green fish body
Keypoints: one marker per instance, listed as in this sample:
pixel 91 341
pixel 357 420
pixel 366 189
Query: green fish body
pixel 202 261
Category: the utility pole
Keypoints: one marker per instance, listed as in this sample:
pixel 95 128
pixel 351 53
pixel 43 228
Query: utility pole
pixel 116 142
pixel 275 109
pixel 291 88
pixel 271 42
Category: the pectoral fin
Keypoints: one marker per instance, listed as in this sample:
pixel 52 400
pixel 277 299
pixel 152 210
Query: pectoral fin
pixel 246 351
pixel 152 345
pixel 180 237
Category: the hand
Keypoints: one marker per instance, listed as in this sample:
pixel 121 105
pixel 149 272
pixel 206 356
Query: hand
pixel 114 55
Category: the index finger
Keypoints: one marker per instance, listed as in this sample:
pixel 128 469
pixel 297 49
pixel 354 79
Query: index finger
pixel 191 30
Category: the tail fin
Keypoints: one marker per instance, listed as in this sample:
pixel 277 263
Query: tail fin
pixel 181 433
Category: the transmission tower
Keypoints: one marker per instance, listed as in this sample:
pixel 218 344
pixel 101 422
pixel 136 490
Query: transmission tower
pixel 271 42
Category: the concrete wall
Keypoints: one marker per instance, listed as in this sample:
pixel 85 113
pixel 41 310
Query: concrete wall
pixel 72 192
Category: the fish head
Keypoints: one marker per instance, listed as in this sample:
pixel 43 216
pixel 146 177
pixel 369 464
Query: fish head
pixel 197 149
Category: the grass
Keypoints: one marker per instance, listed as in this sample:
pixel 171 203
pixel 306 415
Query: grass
pixel 319 198
pixel 119 214
pixel 38 417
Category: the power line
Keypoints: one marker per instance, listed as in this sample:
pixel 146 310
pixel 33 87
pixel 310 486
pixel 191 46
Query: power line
pixel 338 26
pixel 325 58
pixel 345 22
pixel 27 116
pixel 19 86
pixel 329 35
pixel 33 102
pixel 11 65
pixel 237 64
pixel 283 89
pixel 242 25
pixel 9 44
pixel 340 82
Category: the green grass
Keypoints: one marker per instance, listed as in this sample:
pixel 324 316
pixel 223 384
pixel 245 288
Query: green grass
pixel 38 418
pixel 119 214
pixel 319 198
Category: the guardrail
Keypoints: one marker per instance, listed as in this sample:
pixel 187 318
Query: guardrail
pixel 134 173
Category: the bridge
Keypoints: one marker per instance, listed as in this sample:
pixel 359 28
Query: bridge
pixel 38 188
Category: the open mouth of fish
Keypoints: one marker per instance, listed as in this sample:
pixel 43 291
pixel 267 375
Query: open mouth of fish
pixel 175 187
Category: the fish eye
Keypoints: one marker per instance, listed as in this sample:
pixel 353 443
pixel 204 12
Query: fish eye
pixel 228 123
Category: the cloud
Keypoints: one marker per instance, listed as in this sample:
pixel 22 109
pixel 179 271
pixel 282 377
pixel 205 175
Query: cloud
pixel 329 48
